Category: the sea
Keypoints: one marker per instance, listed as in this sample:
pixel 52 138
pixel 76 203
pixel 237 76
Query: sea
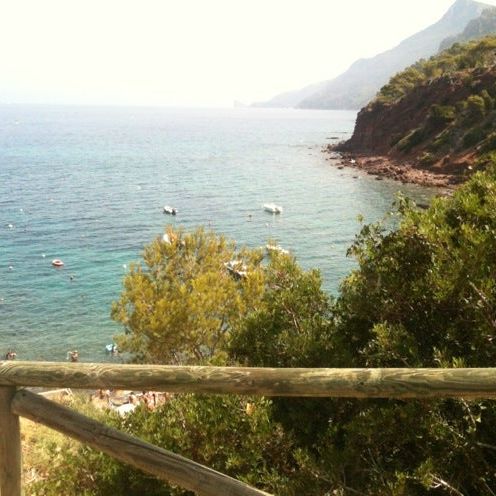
pixel 87 185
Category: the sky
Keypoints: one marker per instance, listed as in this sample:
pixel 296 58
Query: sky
pixel 191 52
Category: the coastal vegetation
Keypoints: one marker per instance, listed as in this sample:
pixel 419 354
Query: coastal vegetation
pixel 423 295
pixel 181 304
pixel 460 57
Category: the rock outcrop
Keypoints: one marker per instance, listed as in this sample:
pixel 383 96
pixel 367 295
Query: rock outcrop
pixel 438 116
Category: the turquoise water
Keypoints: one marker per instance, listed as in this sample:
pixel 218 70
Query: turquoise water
pixel 88 185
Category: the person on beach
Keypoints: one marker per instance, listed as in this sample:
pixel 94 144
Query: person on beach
pixel 10 355
pixel 73 356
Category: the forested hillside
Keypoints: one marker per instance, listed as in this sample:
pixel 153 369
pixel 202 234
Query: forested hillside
pixel 439 114
pixel 479 27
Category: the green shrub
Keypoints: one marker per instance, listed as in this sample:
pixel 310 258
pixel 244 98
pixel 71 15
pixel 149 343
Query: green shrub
pixel 231 434
pixel 182 301
pixel 400 84
pixel 476 108
pixel 422 295
pixel 461 106
pixel 426 159
pixel 441 114
pixel 488 100
pixel 485 161
pixel 474 136
pixel 412 139
pixel 394 139
pixel 490 143
pixel 441 140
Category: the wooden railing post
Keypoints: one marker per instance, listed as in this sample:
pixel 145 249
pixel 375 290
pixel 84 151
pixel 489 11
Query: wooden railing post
pixel 188 474
pixel 10 445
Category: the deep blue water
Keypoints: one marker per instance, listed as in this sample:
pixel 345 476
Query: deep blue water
pixel 87 185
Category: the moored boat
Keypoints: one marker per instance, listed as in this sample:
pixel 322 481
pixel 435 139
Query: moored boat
pixel 237 268
pixel 170 210
pixel 272 208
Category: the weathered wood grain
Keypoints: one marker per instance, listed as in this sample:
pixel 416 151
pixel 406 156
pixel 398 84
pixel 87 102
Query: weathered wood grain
pixel 357 383
pixel 10 445
pixel 128 449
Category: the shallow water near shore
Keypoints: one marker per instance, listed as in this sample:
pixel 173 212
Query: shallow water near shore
pixel 88 185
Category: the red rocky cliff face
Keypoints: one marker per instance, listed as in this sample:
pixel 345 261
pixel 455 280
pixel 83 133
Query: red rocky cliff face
pixel 380 126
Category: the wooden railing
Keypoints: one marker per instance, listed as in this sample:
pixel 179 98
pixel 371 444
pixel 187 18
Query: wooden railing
pixel 356 383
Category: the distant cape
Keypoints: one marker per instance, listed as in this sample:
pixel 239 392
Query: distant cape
pixel 359 84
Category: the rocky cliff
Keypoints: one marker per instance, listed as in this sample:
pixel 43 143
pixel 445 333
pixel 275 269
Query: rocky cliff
pixel 437 116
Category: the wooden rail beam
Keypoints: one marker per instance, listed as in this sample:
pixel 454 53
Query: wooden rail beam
pixel 10 445
pixel 128 449
pixel 351 383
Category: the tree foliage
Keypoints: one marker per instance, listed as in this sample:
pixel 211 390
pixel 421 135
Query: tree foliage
pixel 423 295
pixel 234 435
pixel 290 325
pixel 181 303
pixel 441 114
pixel 430 283
pixel 476 108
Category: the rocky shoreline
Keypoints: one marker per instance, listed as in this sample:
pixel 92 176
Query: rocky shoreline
pixel 385 167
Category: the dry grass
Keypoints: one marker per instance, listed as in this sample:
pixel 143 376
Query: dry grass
pixel 39 443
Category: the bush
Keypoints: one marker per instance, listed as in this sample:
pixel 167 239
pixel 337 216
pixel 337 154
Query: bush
pixel 231 434
pixel 400 84
pixel 294 314
pixel 461 106
pixel 411 140
pixel 181 304
pixel 426 159
pixel 422 295
pixel 474 136
pixel 476 108
pixel 442 140
pixel 490 143
pixel 441 114
pixel 488 100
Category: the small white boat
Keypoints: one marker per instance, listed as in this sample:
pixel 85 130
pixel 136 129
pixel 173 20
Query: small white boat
pixel 57 262
pixel 277 249
pixel 272 208
pixel 236 268
pixel 170 210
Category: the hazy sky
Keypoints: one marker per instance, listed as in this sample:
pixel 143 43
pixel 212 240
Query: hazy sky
pixel 191 52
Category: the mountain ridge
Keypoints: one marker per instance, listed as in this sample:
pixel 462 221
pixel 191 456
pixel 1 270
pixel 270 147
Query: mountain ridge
pixel 483 25
pixel 357 85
